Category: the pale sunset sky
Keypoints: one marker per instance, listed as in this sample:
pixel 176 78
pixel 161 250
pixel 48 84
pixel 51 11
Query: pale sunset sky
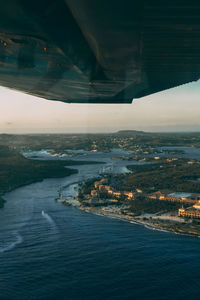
pixel 176 109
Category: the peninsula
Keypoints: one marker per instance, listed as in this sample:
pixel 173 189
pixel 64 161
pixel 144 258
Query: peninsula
pixel 16 170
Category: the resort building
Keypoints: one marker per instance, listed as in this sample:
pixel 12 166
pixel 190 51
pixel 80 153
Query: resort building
pixel 160 196
pixel 107 188
pixel 157 195
pixel 182 200
pixel 129 195
pixel 94 193
pixel 110 192
pixel 96 184
pixel 117 194
pixel 101 187
pixel 197 205
pixel 173 199
pixel 190 212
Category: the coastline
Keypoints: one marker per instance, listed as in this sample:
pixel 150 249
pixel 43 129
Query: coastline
pixel 18 171
pixel 63 172
pixel 147 223
pixel 165 227
pixel 30 181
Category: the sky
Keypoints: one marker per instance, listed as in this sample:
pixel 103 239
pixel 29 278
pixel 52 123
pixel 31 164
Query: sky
pixel 177 109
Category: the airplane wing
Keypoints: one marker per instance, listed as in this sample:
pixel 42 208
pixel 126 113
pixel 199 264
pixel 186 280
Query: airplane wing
pixel 98 51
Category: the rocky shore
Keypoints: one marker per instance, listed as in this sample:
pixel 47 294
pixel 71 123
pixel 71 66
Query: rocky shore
pixel 181 227
pixel 168 221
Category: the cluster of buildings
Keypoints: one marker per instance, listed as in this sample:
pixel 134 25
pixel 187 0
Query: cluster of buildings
pixel 102 186
pixel 167 197
pixel 114 196
pixel 190 212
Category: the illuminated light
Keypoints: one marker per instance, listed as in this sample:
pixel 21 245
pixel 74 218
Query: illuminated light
pixel 5 44
pixel 45 49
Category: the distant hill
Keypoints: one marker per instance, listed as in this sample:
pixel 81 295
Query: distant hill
pixel 131 132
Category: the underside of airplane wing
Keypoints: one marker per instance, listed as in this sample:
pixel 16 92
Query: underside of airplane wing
pixel 98 51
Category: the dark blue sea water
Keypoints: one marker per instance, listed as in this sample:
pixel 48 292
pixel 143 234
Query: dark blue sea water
pixel 65 253
pixel 50 251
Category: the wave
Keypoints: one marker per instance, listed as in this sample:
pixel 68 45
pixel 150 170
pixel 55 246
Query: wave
pixel 50 220
pixel 12 245
pixel 157 229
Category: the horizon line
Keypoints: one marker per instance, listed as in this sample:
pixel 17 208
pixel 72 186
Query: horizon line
pixel 100 132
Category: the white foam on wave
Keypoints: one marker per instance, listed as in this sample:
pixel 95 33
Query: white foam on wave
pixel 50 220
pixel 155 229
pixel 11 245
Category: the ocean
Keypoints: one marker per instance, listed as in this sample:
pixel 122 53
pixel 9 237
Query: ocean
pixel 51 251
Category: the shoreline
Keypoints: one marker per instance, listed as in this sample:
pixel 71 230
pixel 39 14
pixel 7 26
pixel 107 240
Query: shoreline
pixel 127 218
pixel 167 226
pixel 31 181
pixel 150 225
pixel 33 172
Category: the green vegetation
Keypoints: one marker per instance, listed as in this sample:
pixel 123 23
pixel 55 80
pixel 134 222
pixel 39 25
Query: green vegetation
pixel 86 187
pixel 176 176
pixel 141 205
pixel 16 171
pixel 143 168
pixel 2 201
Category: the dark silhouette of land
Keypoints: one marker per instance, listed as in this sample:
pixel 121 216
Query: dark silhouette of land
pixel 16 170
